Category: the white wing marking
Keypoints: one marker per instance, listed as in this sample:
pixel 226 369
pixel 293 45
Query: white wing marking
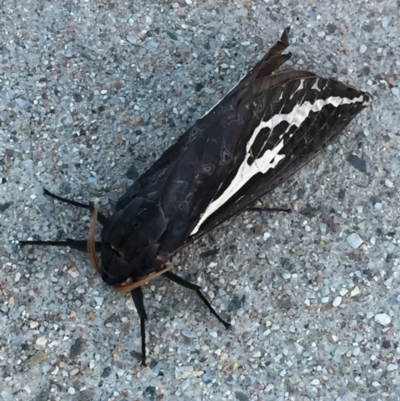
pixel 300 87
pixel 270 158
pixel 315 86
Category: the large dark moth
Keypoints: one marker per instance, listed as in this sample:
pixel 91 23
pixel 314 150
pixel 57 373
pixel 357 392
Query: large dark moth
pixel 267 127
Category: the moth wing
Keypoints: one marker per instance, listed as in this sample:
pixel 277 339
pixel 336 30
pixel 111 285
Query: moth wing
pixel 150 180
pixel 300 116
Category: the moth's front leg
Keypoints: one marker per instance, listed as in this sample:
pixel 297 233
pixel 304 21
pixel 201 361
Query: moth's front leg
pixel 137 296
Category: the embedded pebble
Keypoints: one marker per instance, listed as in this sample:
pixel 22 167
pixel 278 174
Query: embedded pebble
pixel 337 301
pixel 187 372
pixel 7 396
pixel 73 272
pixel 363 49
pixel 383 319
pixel 392 366
pixel 385 21
pixel 355 291
pixel 189 334
pixel 185 384
pixel 354 240
pixel 41 342
pixel 388 183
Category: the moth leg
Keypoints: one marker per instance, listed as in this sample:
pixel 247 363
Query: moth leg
pixel 267 209
pixel 89 206
pixel 79 245
pixel 137 296
pixel 187 284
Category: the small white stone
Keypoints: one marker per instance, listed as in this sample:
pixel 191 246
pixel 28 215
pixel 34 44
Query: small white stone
pixel 73 272
pixel 41 342
pixel 355 351
pixel 71 390
pixel 395 91
pixel 385 21
pixel 224 66
pixel 17 277
pixel 325 300
pixel 354 240
pixel 363 49
pixel 266 236
pixel 355 291
pixel 392 366
pixel 130 304
pixel 383 319
pixel 315 382
pixel 388 183
pixel 99 300
pixel 378 206
pixel 189 2
pixel 337 301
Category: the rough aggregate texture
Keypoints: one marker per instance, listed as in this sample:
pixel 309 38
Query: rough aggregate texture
pixel 91 93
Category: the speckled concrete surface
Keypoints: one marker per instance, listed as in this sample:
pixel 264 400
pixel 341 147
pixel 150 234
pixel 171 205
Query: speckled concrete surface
pixel 92 92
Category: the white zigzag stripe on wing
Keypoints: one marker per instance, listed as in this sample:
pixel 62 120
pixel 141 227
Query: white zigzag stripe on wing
pixel 270 158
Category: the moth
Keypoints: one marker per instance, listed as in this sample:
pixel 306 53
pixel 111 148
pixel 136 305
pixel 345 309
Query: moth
pixel 265 129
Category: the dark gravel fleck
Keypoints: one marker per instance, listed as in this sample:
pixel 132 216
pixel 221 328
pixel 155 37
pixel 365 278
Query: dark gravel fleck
pixel 207 254
pixel 230 380
pixel 106 372
pixel 386 344
pixel 76 348
pixel 198 87
pixel 172 35
pixel 358 163
pixel 331 28
pixel 236 302
pixel 132 172
pixel 4 206
pixel 150 393
pixel 77 97
pixel 240 396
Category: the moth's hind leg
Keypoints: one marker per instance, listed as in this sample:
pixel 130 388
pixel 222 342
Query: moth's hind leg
pixel 89 206
pixel 187 284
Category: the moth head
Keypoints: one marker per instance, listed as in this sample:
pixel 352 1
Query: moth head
pixel 130 249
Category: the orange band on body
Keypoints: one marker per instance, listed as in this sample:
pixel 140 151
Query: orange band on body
pixel 91 245
pixel 139 283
